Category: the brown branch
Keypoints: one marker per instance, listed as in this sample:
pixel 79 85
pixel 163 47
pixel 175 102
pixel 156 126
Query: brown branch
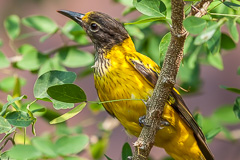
pixel 200 9
pixel 166 80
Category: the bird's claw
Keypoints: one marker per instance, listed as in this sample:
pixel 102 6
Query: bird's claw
pixel 163 123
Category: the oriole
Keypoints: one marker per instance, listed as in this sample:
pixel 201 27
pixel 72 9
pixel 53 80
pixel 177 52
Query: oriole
pixel 120 72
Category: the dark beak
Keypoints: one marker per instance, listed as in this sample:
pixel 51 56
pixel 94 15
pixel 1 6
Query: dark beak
pixel 77 17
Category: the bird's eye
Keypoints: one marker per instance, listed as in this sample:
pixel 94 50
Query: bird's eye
pixel 94 27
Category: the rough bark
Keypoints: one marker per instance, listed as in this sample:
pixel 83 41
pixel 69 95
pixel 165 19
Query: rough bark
pixel 167 76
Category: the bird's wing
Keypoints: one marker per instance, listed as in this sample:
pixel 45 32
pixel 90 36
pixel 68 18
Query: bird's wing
pixel 150 71
pixel 147 68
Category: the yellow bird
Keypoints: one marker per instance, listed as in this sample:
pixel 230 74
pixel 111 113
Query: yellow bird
pixel 120 72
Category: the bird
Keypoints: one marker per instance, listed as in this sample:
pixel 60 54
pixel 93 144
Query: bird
pixel 121 73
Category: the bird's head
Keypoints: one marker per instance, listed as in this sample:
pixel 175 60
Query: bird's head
pixel 104 31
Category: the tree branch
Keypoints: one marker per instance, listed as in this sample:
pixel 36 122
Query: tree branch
pixel 166 80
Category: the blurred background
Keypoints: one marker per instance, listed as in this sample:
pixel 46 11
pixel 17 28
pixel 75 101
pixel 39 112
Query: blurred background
pixel 207 99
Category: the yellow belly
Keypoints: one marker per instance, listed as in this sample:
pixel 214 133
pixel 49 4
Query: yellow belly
pixel 177 139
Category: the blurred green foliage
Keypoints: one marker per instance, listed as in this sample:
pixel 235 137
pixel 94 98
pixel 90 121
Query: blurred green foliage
pixel 54 84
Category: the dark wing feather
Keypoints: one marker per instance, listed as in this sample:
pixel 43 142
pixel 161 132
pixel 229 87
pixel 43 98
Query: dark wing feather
pixel 180 107
pixel 151 75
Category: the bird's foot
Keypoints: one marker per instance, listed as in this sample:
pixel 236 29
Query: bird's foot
pixel 142 121
pixel 163 123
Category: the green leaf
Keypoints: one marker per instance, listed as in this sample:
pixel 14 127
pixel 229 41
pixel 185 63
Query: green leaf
pixel 134 31
pixel 215 60
pixel 211 134
pixel 163 46
pixel 125 2
pixel 49 79
pixel 74 158
pixel 27 49
pixel 4 125
pixel 69 93
pixel 230 4
pixel 95 107
pixel 192 60
pixel 99 148
pixel 5 106
pixel 225 115
pixel 69 114
pixel 1 42
pixel 4 62
pixel 126 151
pixel 232 27
pixel 44 145
pixel 226 42
pixel 206 34
pixel 19 118
pixel 71 144
pixel 238 70
pixel 190 77
pixel 32 61
pixel 7 134
pixel 7 84
pixel 236 107
pixel 235 90
pixel 214 43
pixel 51 64
pixel 154 8
pixel 108 158
pixel 146 20
pixel 23 152
pixel 194 25
pixel 12 26
pixel 40 23
pixel 73 58
pixel 61 105
pixel 75 32
pixel 199 118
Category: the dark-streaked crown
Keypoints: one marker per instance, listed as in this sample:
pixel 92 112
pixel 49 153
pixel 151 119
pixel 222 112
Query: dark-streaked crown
pixel 104 31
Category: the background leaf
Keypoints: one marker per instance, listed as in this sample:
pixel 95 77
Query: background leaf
pixel 44 145
pixel 231 89
pixel 194 25
pixel 12 26
pixel 23 152
pixel 4 62
pixel 67 145
pixel 7 83
pixel 40 23
pixel 31 61
pixel 236 107
pixel 73 58
pixel 4 125
pixel 226 42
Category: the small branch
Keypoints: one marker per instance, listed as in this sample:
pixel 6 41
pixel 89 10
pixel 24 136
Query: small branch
pixel 164 86
pixel 200 9
pixel 166 80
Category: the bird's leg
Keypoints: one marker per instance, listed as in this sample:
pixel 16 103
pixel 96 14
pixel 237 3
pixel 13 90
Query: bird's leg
pixel 142 122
